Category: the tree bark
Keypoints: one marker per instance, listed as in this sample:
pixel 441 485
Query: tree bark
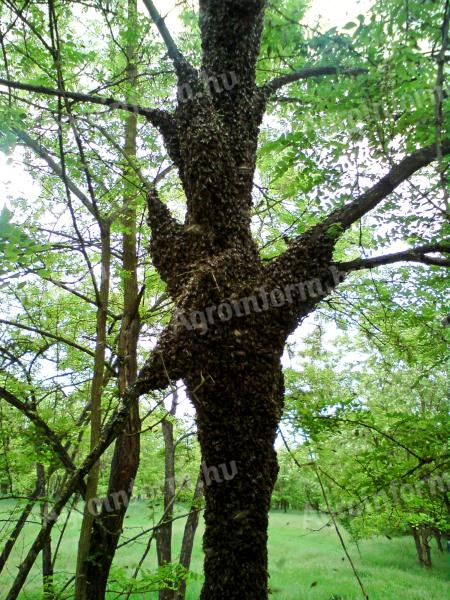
pixel 238 418
pixel 421 540
pixel 438 537
pixel 84 554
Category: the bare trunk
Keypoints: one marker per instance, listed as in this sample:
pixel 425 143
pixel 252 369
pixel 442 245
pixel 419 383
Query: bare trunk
pixel 425 534
pixel 438 537
pixel 164 531
pixel 190 529
pixel 421 540
pixel 47 563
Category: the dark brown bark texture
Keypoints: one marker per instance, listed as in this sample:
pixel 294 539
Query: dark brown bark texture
pixel 231 365
pixel 190 529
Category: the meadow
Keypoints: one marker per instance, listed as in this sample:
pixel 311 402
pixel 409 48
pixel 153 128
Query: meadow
pixel 306 559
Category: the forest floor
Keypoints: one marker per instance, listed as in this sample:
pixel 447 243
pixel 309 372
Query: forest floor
pixel 307 561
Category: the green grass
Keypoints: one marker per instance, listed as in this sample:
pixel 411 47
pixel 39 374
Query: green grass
pixel 304 564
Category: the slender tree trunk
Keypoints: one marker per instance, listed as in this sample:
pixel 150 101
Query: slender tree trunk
pixel 47 563
pixel 418 543
pixel 190 529
pixel 164 531
pixel 125 461
pixel 96 416
pixel 421 540
pixel 438 537
pixel 425 535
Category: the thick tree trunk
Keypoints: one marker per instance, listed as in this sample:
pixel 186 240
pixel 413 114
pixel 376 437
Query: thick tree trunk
pixel 238 411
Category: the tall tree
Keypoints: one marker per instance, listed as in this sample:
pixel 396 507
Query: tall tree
pixel 233 306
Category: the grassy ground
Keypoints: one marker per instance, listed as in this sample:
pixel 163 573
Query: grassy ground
pixel 304 565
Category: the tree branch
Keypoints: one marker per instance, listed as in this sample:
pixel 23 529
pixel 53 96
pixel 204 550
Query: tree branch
pixel 352 212
pixel 168 244
pixel 419 255
pixel 181 64
pixel 52 336
pixel 158 118
pixel 307 73
pixel 310 257
pixel 153 377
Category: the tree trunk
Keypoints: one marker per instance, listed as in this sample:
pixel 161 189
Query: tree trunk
pixel 47 563
pixel 421 540
pixel 438 537
pixel 190 529
pixel 125 462
pixel 164 531
pixel 238 418
pixel 425 534
pixel 418 543
pixel 84 554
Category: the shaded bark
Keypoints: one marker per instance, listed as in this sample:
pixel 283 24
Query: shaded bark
pixel 438 537
pixel 421 537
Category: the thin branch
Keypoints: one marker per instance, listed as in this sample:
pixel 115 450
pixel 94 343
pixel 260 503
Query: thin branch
pixel 419 255
pixel 158 118
pixel 177 57
pixel 47 334
pixel 55 167
pixel 307 73
pixel 402 171
pixel 152 377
